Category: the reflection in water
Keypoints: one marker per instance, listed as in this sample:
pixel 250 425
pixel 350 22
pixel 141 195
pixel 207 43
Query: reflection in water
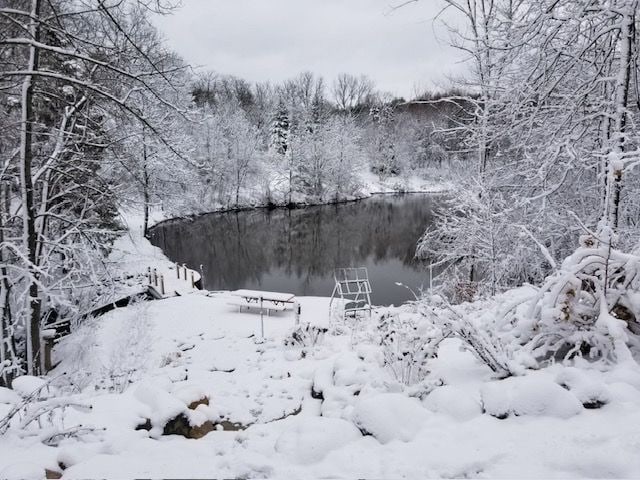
pixel 296 250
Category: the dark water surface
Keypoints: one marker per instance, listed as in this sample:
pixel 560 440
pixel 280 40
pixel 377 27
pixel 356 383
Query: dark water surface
pixel 296 250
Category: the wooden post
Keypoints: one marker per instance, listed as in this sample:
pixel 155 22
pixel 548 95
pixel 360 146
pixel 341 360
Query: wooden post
pixel 178 270
pixel 193 282
pixel 48 346
pixel 184 269
pixel 155 277
pixel 261 320
pixel 162 284
pixel 149 275
pixel 48 340
pixel 297 310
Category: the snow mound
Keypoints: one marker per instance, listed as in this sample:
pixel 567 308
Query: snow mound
pixel 342 383
pixel 22 471
pixel 310 439
pixel 528 396
pixel 70 455
pixel 625 373
pixel 389 416
pixel 5 409
pixel 591 393
pixel 453 401
pixel 9 396
pixel 496 399
pixel 27 385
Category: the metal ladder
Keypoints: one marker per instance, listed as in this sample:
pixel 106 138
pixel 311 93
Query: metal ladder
pixel 353 287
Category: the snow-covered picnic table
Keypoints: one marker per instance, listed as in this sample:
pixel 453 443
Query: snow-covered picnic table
pixel 263 300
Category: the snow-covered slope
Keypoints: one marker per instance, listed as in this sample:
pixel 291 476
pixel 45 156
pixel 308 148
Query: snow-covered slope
pixel 193 365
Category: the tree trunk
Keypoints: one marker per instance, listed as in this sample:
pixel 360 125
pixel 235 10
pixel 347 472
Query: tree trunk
pixel 620 115
pixel 615 161
pixel 145 185
pixel 7 355
pixel 32 310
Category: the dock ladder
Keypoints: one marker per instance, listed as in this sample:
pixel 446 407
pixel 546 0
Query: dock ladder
pixel 353 287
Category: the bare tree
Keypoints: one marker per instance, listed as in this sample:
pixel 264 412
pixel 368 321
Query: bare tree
pixel 87 67
pixel 350 92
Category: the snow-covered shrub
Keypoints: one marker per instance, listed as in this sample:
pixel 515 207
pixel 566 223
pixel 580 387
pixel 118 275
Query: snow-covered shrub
pixel 407 346
pixel 305 336
pixel 480 339
pixel 40 405
pixel 587 307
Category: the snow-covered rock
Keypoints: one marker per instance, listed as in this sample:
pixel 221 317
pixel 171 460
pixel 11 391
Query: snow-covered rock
pixel 530 395
pixel 389 416
pixel 162 406
pixel 454 401
pixel 310 439
pixel 191 395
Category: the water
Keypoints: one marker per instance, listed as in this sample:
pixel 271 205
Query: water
pixel 296 250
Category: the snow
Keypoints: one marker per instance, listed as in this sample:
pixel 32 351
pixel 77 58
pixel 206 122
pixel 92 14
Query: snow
pixel 588 390
pixel 132 255
pixel 530 395
pixel 310 439
pixel 373 184
pixel 22 471
pixel 9 396
pixel 390 416
pixel 27 385
pixel 458 402
pixel 330 410
pixel 161 406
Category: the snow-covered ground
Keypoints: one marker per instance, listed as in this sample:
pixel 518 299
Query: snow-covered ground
pixel 373 184
pixel 370 184
pixel 132 256
pixel 288 408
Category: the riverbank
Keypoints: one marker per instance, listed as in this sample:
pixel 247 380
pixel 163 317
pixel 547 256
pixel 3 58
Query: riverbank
pixel 372 186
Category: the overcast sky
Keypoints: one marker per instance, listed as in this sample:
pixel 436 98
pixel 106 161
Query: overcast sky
pixel 262 40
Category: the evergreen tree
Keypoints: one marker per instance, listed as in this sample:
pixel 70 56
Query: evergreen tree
pixel 280 130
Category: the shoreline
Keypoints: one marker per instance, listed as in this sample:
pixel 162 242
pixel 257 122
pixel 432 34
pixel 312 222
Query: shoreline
pixel 293 206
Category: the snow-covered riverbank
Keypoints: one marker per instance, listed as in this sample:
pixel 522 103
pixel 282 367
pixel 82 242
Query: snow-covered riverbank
pixel 288 408
pixel 372 185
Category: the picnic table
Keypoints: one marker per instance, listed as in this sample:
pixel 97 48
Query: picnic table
pixel 263 300
pixel 268 301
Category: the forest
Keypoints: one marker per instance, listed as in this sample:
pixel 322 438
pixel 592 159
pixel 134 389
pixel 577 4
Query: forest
pixel 536 239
